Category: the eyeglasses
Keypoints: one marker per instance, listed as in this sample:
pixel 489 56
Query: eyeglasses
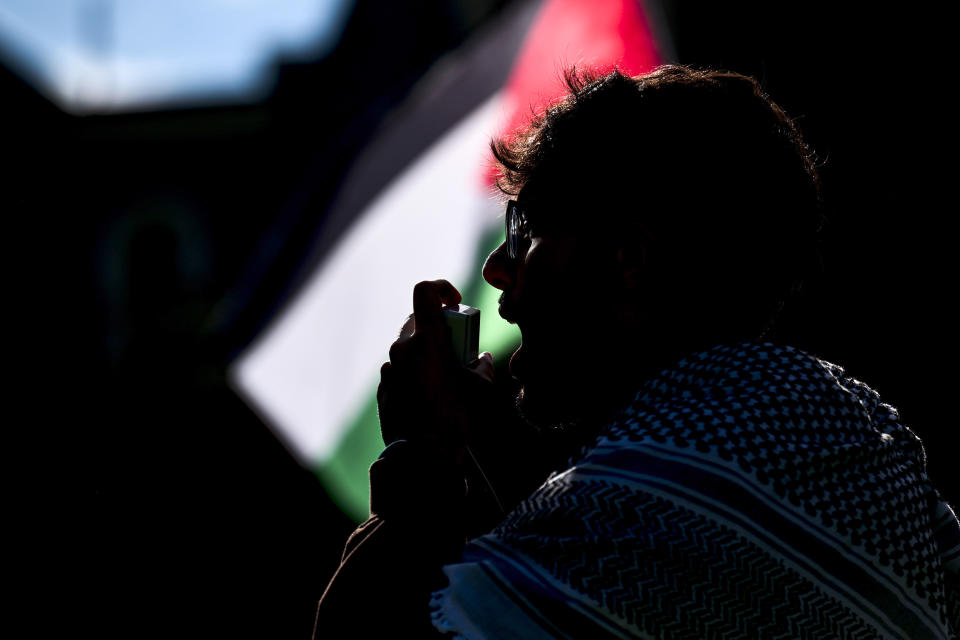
pixel 518 228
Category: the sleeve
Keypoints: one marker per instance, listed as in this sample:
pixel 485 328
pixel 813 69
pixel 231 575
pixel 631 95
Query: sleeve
pixel 393 561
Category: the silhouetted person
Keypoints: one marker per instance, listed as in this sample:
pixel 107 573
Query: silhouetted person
pixel 706 482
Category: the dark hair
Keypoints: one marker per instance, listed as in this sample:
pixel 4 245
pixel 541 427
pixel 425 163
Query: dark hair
pixel 703 161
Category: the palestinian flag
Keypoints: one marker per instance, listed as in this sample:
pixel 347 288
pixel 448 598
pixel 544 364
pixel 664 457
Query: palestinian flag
pixel 419 204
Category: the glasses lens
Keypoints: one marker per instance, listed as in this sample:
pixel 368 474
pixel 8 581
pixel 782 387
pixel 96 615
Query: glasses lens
pixel 513 231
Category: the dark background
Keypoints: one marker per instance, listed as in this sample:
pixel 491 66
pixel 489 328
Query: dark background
pixel 170 509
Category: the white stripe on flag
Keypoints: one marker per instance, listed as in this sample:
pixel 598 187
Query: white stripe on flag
pixel 311 371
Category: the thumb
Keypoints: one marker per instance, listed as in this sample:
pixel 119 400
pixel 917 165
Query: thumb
pixel 483 366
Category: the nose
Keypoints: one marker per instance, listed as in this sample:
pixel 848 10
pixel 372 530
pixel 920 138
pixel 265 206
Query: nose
pixel 496 270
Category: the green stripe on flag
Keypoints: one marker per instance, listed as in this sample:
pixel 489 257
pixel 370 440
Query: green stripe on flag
pixel 344 474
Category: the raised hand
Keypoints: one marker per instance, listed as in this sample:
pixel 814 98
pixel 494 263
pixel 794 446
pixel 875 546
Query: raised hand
pixel 425 395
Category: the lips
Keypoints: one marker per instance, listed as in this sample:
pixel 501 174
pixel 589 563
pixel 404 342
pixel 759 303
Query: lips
pixel 519 356
pixel 506 313
pixel 505 308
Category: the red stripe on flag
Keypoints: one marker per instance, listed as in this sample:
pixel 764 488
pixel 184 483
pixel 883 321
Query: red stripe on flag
pixel 589 33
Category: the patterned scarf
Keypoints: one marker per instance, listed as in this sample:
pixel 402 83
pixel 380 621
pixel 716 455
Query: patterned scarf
pixel 750 491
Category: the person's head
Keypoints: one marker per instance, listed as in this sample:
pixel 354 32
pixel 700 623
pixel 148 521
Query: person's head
pixel 668 211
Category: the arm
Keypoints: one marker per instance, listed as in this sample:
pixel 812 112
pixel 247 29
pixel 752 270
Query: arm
pixel 394 560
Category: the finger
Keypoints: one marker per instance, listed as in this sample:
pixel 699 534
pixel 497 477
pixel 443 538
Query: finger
pixel 483 366
pixel 382 409
pixel 397 351
pixel 428 298
pixel 382 387
pixel 409 325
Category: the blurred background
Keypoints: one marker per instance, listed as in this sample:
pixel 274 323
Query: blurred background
pixel 216 211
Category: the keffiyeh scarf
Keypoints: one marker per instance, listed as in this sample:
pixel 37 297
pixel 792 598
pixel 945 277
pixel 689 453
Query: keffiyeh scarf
pixel 750 491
